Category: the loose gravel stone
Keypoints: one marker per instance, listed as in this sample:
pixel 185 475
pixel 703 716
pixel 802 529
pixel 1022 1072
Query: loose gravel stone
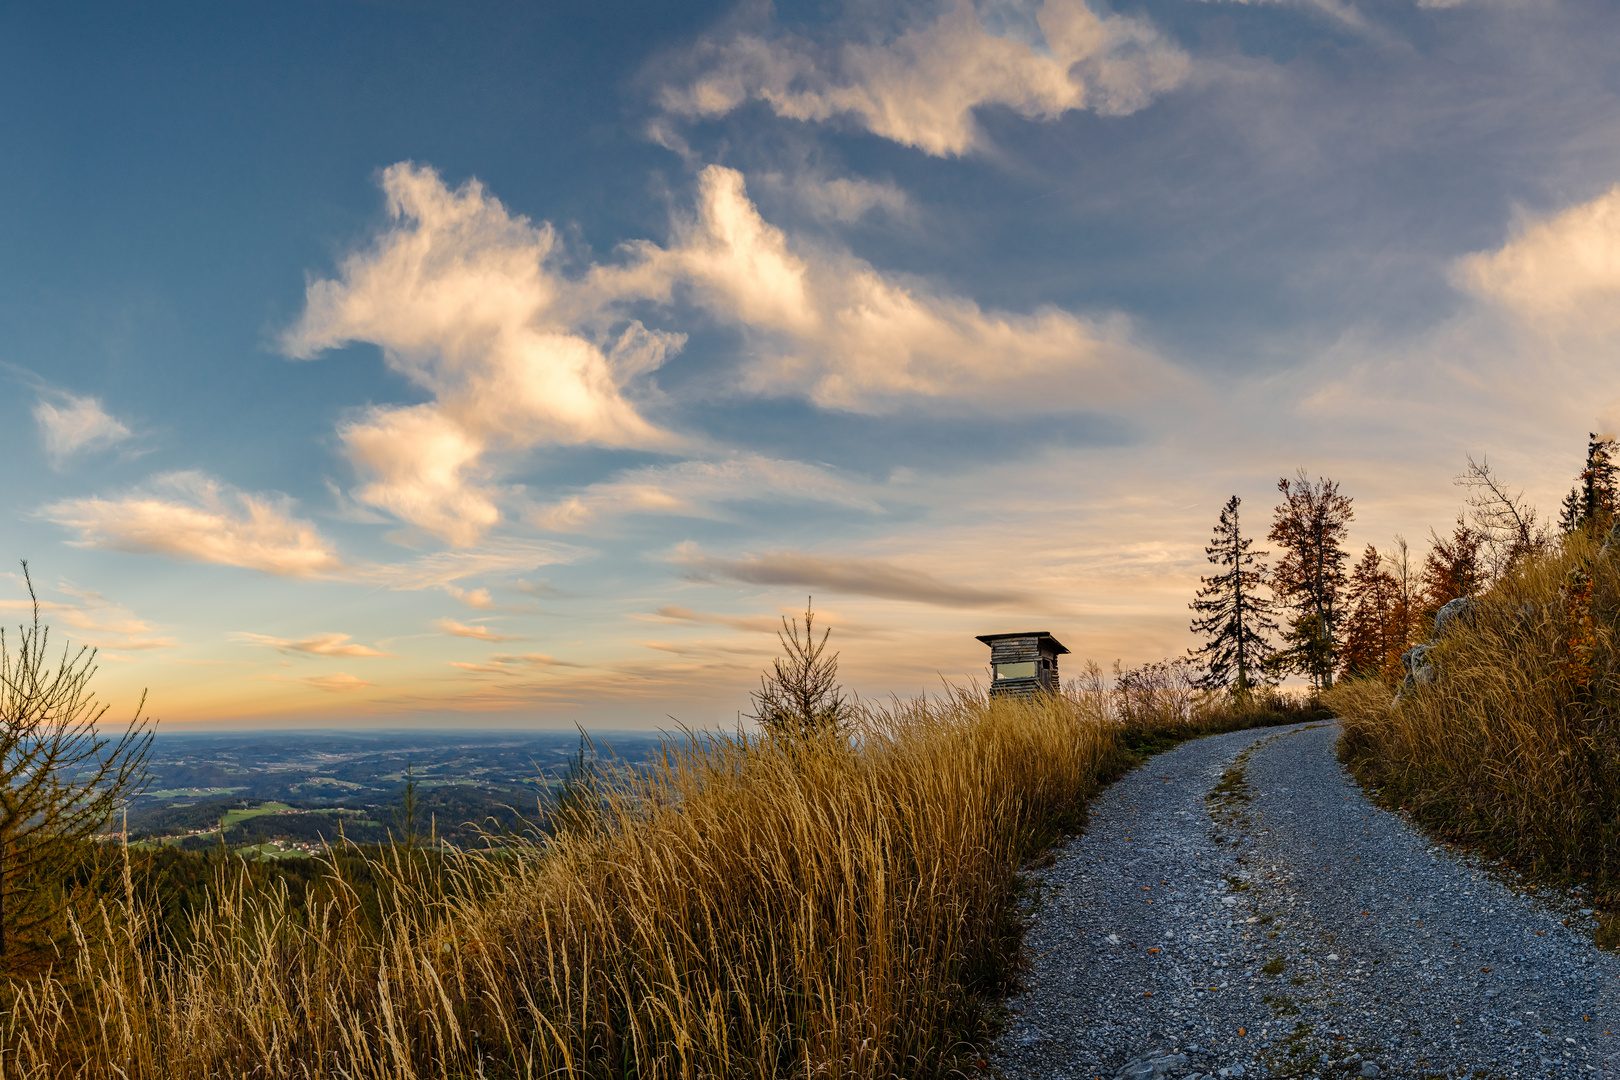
pixel 1238 908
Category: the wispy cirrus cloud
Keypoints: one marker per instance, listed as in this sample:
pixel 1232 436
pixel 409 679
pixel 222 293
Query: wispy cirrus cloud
pixel 339 682
pixel 843 199
pixel 70 425
pixel 321 645
pixel 863 577
pixel 699 488
pixel 921 88
pixel 833 328
pixel 457 293
pixel 515 664
pixel 99 622
pixel 468 630
pixel 755 624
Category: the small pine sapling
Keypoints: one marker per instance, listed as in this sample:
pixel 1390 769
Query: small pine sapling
pixel 800 695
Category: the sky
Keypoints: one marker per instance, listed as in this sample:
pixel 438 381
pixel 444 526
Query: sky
pixel 471 365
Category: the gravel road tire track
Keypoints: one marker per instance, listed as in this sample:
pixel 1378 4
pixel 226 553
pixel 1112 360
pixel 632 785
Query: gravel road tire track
pixel 1237 907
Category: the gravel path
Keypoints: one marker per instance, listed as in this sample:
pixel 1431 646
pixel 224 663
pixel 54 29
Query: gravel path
pixel 1237 907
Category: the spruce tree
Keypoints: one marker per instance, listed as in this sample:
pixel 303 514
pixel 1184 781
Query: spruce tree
pixel 1234 614
pixel 1310 527
pixel 1590 504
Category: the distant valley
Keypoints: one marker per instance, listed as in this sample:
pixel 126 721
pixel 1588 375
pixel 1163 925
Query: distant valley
pixel 288 794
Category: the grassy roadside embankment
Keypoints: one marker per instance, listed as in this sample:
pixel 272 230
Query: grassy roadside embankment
pixel 747 908
pixel 1515 749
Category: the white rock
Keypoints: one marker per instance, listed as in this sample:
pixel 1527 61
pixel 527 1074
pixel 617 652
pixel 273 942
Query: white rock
pixel 1333 956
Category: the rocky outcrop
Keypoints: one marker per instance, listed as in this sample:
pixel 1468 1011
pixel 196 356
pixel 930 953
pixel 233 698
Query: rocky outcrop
pixel 1420 669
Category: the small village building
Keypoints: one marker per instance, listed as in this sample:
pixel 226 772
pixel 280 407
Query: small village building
pixel 1022 664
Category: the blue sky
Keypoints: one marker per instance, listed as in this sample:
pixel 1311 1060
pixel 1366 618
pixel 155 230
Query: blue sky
pixel 487 364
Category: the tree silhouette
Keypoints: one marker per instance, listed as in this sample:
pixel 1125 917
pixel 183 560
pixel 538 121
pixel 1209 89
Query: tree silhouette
pixel 1310 527
pixel 1507 525
pixel 1234 615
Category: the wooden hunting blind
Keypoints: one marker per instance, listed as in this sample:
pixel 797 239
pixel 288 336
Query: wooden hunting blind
pixel 1021 664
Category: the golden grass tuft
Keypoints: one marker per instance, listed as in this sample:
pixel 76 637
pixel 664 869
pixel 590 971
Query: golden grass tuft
pixel 1516 747
pixel 834 907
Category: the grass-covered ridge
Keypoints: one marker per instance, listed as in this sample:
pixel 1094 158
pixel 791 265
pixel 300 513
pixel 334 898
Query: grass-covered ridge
pixel 838 906
pixel 1516 747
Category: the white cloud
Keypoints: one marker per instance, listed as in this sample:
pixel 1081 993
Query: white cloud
pixel 1560 272
pixel 478 633
pixel 696 488
pixel 71 424
pixel 832 327
pixel 325 645
pixel 921 88
pixel 458 295
pixel 189 516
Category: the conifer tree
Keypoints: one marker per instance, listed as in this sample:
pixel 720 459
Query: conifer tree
pixel 1310 527
pixel 800 695
pixel 1234 613
pixel 1376 630
pixel 1590 504
pixel 1452 568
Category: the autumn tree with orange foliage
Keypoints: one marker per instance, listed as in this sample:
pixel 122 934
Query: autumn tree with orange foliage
pixel 1378 628
pixel 1452 568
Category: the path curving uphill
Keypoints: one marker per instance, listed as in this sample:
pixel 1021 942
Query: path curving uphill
pixel 1237 907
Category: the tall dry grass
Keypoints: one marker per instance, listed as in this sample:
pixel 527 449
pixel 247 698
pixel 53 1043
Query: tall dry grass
pixel 1516 747
pixel 747 908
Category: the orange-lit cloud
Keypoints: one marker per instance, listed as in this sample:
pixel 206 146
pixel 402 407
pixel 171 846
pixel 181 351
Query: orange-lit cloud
pixel 479 633
pixel 515 664
pixel 189 516
pixel 473 598
pixel 340 682
pixel 1561 270
pixel 319 645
